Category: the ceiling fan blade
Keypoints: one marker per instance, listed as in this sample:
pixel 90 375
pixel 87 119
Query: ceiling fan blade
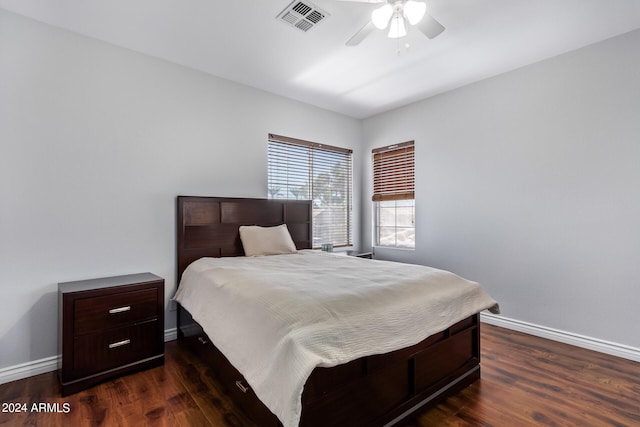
pixel 429 26
pixel 361 34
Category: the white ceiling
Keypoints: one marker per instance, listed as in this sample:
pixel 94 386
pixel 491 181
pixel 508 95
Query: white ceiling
pixel 241 40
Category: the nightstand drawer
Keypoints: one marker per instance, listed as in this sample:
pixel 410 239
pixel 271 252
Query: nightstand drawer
pixel 112 311
pixel 101 351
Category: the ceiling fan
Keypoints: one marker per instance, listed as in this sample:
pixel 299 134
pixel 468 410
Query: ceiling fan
pixel 395 14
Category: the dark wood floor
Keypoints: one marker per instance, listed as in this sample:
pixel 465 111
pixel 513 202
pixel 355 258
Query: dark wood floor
pixel 525 381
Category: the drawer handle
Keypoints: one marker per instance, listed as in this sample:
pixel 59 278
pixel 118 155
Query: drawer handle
pixel 202 340
pixel 119 343
pixel 244 387
pixel 119 309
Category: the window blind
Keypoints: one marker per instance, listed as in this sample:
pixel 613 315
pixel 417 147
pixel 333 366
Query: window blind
pixel 393 172
pixel 299 169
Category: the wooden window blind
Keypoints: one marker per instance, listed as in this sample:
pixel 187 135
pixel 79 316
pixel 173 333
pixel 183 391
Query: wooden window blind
pixel 393 172
pixel 299 169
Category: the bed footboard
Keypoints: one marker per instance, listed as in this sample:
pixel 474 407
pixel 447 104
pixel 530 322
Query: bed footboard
pixel 376 390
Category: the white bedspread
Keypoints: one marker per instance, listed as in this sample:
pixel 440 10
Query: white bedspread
pixel 309 309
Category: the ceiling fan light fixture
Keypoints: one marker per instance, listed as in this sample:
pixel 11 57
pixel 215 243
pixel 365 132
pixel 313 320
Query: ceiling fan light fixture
pixel 396 15
pixel 397 28
pixel 414 11
pixel 381 16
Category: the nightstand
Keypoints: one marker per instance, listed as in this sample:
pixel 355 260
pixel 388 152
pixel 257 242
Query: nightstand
pixel 358 254
pixel 109 327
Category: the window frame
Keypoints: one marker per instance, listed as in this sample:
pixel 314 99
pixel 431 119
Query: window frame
pixel 393 181
pixel 305 161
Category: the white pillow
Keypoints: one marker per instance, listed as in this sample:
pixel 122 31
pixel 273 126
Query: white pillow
pixel 258 241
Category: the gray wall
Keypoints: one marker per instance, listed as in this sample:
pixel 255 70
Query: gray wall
pixel 526 182
pixel 529 183
pixel 96 142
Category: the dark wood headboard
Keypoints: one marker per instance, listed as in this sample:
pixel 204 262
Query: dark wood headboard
pixel 208 226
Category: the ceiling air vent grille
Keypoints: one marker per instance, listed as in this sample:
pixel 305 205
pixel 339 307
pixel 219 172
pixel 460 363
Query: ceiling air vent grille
pixel 315 16
pixel 302 8
pixel 304 25
pixel 302 15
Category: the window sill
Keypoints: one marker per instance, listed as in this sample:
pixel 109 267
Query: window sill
pixel 393 248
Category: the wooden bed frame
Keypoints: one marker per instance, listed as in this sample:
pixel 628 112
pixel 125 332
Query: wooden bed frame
pixel 376 390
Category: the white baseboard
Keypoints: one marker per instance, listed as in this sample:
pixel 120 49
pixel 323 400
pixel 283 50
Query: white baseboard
pixel 582 341
pixel 48 364
pixel 170 334
pixel 28 369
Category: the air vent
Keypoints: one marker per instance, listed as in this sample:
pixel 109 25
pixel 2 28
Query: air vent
pixel 302 8
pixel 315 16
pixel 302 15
pixel 304 25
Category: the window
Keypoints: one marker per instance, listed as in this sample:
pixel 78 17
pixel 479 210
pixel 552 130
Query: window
pixel 394 195
pixel 307 170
